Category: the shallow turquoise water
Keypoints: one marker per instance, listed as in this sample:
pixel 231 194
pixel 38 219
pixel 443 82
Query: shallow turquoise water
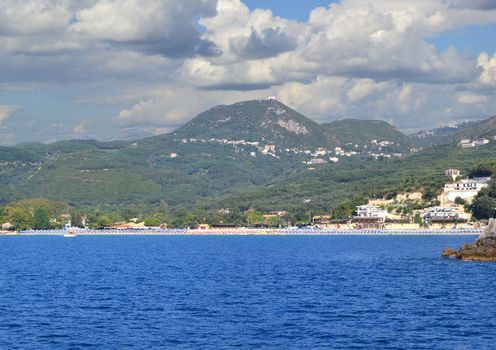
pixel 243 292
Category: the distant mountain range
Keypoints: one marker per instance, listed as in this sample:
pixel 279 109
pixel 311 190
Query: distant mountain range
pixel 226 150
pixel 453 134
pixel 130 134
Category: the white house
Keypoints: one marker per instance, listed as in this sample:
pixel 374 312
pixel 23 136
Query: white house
pixel 443 214
pixel 466 143
pixel 369 217
pixel 269 149
pixel 465 189
pixel 481 142
pixel 453 173
pixel 316 161
pixel 370 212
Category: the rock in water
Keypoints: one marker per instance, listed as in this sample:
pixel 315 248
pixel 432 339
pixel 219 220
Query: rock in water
pixel 490 230
pixel 484 249
pixel 450 253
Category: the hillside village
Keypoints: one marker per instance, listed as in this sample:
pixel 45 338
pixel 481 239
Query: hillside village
pixel 252 155
pixel 377 149
pixel 406 211
pixel 411 211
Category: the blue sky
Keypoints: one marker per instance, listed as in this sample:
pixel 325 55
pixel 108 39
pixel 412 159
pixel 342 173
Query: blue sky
pixel 94 69
pixel 474 38
pixel 298 10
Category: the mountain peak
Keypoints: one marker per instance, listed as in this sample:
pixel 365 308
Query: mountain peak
pixel 266 120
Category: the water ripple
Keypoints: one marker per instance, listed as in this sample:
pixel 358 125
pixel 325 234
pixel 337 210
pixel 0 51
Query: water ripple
pixel 243 292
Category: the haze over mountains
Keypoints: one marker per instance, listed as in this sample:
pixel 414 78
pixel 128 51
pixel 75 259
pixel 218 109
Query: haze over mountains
pixel 232 151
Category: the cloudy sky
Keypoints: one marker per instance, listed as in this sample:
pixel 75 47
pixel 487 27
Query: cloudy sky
pixel 92 68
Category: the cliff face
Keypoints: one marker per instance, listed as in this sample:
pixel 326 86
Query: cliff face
pixel 484 249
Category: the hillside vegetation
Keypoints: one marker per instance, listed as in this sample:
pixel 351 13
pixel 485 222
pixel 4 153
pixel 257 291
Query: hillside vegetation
pixel 253 154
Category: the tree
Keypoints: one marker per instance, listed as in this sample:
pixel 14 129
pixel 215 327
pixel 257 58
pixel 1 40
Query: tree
pixel 460 201
pixel 485 169
pixel 346 209
pixel 77 219
pixel 3 214
pixel 418 219
pixel 491 190
pixel 20 218
pixel 152 222
pixel 484 207
pixel 104 221
pixel 253 217
pixel 41 219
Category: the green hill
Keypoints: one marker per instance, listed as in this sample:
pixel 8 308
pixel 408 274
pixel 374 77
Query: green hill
pixel 454 134
pixel 324 188
pixel 219 159
pixel 267 121
pixel 483 129
pixel 363 132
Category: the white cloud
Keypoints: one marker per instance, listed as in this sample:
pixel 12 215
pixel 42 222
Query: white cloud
pixel 160 62
pixel 157 26
pixel 33 17
pixel 362 88
pixel 488 66
pixel 6 111
pixel 471 99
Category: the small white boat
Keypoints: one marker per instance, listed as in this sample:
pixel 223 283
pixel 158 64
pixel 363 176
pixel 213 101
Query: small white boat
pixel 69 234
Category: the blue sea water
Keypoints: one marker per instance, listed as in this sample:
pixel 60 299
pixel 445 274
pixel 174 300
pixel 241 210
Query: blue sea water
pixel 243 293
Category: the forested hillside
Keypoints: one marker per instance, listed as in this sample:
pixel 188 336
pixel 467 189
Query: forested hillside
pixel 255 154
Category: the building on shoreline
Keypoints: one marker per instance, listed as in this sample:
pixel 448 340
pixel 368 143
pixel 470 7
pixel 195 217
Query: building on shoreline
pixel 443 215
pixel 369 217
pixel 7 227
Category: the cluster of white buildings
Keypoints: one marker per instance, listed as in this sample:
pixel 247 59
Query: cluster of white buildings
pixel 443 214
pixel 384 155
pixel 371 216
pixel 320 155
pixel 316 161
pixel 467 143
pixel 383 143
pixel 367 212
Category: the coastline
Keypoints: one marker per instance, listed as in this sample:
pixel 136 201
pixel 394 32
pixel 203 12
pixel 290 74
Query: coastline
pixel 253 232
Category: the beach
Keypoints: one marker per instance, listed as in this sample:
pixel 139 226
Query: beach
pixel 254 232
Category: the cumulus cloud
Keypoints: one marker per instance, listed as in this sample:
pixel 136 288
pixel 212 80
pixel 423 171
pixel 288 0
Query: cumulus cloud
pixel 270 42
pixel 355 38
pixel 33 17
pixel 362 88
pixel 157 26
pixel 6 111
pixel 353 58
pixel 488 66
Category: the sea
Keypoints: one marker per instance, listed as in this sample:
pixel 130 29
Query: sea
pixel 243 292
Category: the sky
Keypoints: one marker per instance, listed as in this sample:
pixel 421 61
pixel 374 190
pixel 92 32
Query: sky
pixel 75 69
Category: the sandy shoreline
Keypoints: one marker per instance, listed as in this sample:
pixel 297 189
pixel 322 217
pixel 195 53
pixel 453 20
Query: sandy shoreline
pixel 254 232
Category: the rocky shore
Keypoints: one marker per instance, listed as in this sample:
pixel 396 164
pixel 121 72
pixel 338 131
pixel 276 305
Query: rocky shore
pixel 484 249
